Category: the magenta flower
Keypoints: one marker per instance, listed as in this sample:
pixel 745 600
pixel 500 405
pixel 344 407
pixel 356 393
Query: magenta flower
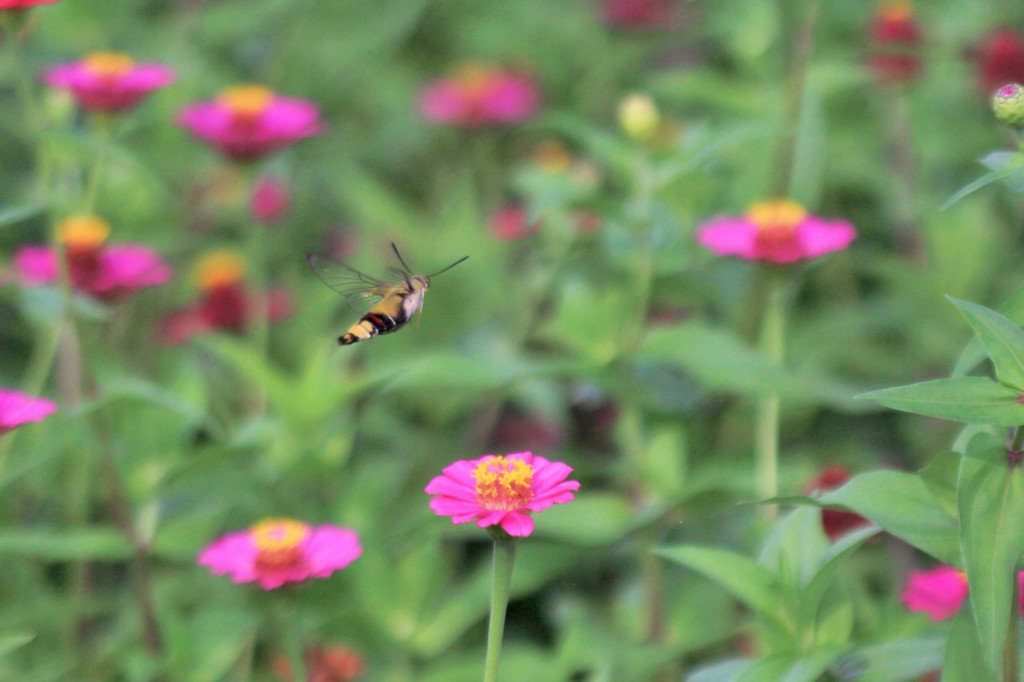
pixel 477 96
pixel 501 490
pixel 106 81
pixel 510 223
pixel 23 4
pixel 279 551
pixel 939 592
pixel 105 272
pixel 17 409
pixel 250 121
pixel 638 15
pixel 778 231
pixel 269 201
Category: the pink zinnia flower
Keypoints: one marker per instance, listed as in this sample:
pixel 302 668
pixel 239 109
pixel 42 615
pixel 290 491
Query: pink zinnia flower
pixel 226 304
pixel 107 272
pixel 106 81
pixel 269 201
pixel 17 409
pixel 896 38
pixel 250 121
pixel 279 551
pixel 509 223
pixel 778 231
pixel 1000 59
pixel 478 96
pixel 501 490
pixel 637 14
pixel 939 592
pixel 23 4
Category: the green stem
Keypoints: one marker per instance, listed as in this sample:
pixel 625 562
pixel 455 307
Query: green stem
pixel 1011 649
pixel 288 630
pixel 766 435
pixel 504 559
pixel 101 125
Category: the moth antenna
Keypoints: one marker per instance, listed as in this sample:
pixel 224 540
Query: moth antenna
pixel 449 267
pixel 400 259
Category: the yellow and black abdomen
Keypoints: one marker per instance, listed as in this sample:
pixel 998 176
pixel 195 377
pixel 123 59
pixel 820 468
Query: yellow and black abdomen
pixel 370 325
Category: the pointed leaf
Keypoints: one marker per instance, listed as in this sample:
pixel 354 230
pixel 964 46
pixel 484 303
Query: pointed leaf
pixel 991 500
pixel 964 660
pixel 837 554
pixel 748 581
pixel 1003 341
pixel 973 400
pixel 901 504
pixel 974 353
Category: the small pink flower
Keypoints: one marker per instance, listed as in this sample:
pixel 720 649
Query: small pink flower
pixel 23 4
pixel 637 15
pixel 477 96
pixel 17 409
pixel 106 81
pixel 939 592
pixel 509 223
pixel 501 490
pixel 270 201
pixel 250 121
pixel 105 272
pixel 279 551
pixel 778 231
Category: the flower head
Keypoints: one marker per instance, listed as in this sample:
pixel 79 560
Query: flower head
pixel 939 592
pixel 269 201
pixel 637 15
pixel 23 4
pixel 511 223
pixel 501 490
pixel 324 663
pixel 895 38
pixel 17 409
pixel 778 231
pixel 108 272
pixel 250 121
pixel 639 117
pixel 478 95
pixel 1008 105
pixel 107 81
pixel 835 522
pixel 278 551
pixel 225 303
pixel 1000 59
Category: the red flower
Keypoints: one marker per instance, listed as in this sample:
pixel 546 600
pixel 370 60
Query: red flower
pixel 23 4
pixel 895 38
pixel 478 96
pixel 226 304
pixel 324 663
pixel 105 81
pixel 637 14
pixel 835 522
pixel 1000 60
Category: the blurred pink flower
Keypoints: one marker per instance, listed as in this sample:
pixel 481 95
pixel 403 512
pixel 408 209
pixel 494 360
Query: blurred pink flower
pixel 17 409
pixel 226 304
pixel 250 121
pixel 509 223
pixel 637 14
pixel 1000 59
pixel 501 490
pixel 896 40
pixel 106 81
pixel 835 522
pixel 778 231
pixel 939 592
pixel 23 4
pixel 269 201
pixel 105 272
pixel 279 551
pixel 478 95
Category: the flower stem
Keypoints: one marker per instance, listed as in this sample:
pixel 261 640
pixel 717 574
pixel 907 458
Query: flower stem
pixel 102 129
pixel 766 435
pixel 1011 649
pixel 504 559
pixel 288 630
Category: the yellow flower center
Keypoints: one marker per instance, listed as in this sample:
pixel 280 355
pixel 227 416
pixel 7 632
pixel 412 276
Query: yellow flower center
pixel 474 79
pixel 502 483
pixel 85 233
pixel 279 542
pixel 219 268
pixel 108 63
pixel 896 11
pixel 552 157
pixel 777 214
pixel 247 101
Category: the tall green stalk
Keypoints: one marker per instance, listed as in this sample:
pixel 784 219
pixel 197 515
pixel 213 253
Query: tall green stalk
pixel 501 583
pixel 766 434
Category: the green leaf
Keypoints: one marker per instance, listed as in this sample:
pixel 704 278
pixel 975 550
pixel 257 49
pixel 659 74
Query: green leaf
pixel 991 500
pixel 893 661
pixel 972 400
pixel 964 660
pixel 940 477
pixel 983 181
pixel 49 544
pixel 835 557
pixel 806 667
pixel 723 671
pixel 16 214
pixel 9 641
pixel 902 505
pixel 974 353
pixel 1003 341
pixel 743 577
